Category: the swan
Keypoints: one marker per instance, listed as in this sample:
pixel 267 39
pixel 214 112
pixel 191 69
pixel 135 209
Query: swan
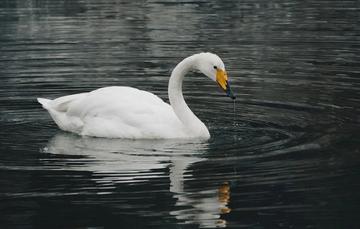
pixel 126 112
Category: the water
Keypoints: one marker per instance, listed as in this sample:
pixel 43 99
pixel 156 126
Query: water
pixel 288 158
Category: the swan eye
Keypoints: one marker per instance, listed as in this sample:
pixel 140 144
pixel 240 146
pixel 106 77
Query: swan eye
pixel 215 67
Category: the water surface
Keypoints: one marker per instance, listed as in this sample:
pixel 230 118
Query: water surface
pixel 288 158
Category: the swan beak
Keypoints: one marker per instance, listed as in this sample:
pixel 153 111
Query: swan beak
pixel 222 80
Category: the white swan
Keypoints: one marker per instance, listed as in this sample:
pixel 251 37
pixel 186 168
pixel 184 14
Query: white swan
pixel 126 112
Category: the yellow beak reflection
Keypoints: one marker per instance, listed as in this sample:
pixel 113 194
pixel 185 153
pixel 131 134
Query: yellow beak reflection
pixel 222 80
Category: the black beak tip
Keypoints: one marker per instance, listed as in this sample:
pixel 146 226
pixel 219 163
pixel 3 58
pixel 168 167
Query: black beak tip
pixel 230 94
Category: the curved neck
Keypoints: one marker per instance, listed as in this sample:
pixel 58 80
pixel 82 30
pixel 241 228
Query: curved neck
pixel 181 109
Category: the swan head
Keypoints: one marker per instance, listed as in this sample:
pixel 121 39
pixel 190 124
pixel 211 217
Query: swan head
pixel 213 67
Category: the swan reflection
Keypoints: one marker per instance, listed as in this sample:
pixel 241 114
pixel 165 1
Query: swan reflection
pixel 204 207
pixel 128 161
pixel 102 155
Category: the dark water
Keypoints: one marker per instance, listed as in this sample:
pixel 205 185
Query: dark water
pixel 288 158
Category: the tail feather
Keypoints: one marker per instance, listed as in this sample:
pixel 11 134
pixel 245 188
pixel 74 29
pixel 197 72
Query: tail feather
pixel 44 102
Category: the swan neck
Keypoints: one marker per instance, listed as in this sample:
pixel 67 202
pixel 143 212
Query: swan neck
pixel 181 109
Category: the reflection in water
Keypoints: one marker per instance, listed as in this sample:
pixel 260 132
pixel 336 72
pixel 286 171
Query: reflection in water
pixel 206 207
pixel 102 155
pixel 128 161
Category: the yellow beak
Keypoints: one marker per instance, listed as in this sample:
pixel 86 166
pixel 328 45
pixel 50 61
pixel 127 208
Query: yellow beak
pixel 222 80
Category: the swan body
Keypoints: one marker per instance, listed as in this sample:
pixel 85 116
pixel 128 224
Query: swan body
pixel 126 112
pixel 116 112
